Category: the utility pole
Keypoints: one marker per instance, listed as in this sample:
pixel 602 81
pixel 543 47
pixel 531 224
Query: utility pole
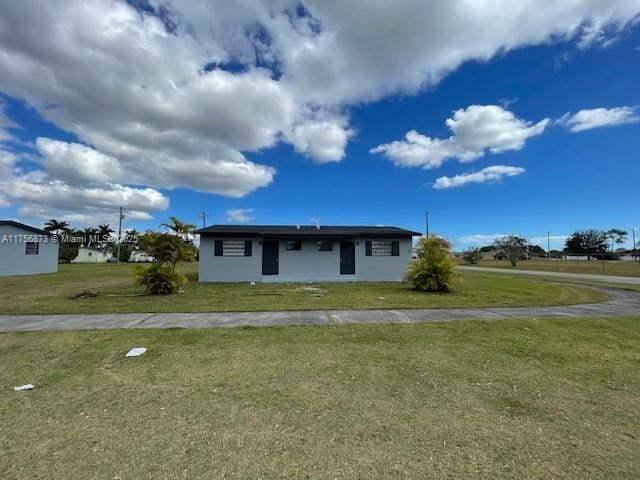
pixel 634 255
pixel 426 221
pixel 203 216
pixel 120 218
pixel 548 245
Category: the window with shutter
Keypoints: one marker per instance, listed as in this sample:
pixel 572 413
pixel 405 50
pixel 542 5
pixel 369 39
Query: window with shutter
pixel 382 248
pixel 233 248
pixel 32 248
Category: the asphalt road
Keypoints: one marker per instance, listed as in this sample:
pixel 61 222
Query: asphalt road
pixel 622 302
pixel 576 276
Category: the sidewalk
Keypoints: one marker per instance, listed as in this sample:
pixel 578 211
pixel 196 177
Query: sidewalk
pixel 622 302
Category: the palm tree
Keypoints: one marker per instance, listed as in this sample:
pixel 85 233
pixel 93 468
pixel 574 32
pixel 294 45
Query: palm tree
pixel 56 226
pixel 133 237
pixel 88 233
pixel 104 231
pixel 180 228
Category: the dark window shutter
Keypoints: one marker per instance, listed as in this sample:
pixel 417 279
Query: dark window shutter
pixel 395 248
pixel 218 248
pixel 367 248
pixel 247 248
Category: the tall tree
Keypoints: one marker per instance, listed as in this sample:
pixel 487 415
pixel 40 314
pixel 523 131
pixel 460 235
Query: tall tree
pixel 56 226
pixel 89 233
pixel 104 232
pixel 617 236
pixel 587 242
pixel 514 247
pixel 180 228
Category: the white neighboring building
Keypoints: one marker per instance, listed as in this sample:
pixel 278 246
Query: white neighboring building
pixel 140 257
pixel 25 250
pixel 92 255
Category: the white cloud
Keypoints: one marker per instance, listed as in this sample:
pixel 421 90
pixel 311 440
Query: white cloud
pixel 186 107
pixel 43 196
pixel 599 117
pixel 495 173
pixel 240 215
pixel 555 241
pixel 324 138
pixel 479 239
pixel 474 130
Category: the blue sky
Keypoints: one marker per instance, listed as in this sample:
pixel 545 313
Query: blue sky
pixel 279 148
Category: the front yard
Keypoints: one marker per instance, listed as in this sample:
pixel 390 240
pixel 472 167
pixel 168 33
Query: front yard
pixel 117 293
pixel 501 399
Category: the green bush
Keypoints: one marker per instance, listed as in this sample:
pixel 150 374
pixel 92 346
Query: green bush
pixel 159 280
pixel 433 270
pixel 125 252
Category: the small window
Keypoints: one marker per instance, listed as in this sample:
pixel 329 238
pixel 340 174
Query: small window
pixel 325 246
pixel 294 245
pixel 383 248
pixel 32 248
pixel 90 254
pixel 233 248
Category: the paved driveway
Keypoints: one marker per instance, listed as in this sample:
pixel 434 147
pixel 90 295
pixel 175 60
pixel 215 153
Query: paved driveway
pixel 565 275
pixel 622 302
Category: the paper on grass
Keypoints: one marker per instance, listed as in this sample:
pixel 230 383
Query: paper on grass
pixel 28 386
pixel 136 352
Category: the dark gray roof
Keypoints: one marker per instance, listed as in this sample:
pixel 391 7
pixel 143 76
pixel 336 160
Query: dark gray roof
pixel 13 223
pixel 303 231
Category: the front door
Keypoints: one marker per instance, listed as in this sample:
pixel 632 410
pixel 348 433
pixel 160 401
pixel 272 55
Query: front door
pixel 347 258
pixel 270 258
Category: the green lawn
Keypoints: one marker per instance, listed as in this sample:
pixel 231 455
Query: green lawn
pixel 627 269
pixel 539 399
pixel 117 293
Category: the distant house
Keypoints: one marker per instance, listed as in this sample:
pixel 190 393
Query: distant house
pixel 285 253
pixel 26 250
pixel 93 255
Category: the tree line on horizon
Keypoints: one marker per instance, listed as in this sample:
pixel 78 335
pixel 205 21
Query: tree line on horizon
pixel 592 243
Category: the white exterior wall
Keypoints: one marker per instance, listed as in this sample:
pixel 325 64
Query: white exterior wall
pixel 307 264
pixel 14 260
pixel 97 256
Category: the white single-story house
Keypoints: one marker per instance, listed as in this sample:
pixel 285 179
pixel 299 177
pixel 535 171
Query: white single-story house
pixel 92 255
pixel 26 250
pixel 292 253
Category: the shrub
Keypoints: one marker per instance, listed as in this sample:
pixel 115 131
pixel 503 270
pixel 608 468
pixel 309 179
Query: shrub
pixel 125 252
pixel 473 255
pixel 159 280
pixel 433 270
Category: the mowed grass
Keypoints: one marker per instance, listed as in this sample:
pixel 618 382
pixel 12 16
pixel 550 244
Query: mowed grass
pixel 595 267
pixel 117 293
pixel 519 399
